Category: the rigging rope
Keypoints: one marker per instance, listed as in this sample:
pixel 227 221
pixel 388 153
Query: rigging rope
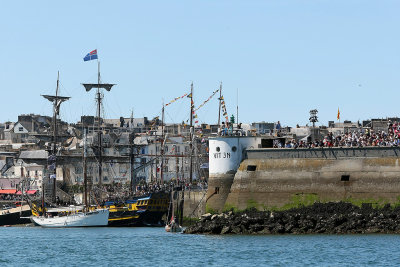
pixel 208 99
pixel 175 99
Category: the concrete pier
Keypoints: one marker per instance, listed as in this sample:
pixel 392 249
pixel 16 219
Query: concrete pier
pixel 275 177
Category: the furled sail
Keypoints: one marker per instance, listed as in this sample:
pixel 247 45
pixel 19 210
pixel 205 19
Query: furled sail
pixel 89 86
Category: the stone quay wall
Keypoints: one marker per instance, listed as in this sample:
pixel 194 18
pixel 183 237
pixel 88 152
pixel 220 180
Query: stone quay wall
pixel 194 204
pixel 275 178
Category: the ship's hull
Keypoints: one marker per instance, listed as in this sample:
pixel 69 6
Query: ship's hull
pixel 136 218
pixel 15 216
pixel 123 218
pixel 151 218
pixel 80 219
pixel 141 211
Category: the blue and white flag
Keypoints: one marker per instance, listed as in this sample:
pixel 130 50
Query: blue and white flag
pixel 90 56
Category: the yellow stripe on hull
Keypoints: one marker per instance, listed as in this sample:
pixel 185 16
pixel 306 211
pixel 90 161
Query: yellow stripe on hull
pixel 124 218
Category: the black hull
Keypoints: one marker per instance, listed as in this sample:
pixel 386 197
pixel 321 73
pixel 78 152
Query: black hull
pixel 123 223
pixel 15 218
pixel 121 219
pixel 149 213
pixel 137 220
pixel 151 218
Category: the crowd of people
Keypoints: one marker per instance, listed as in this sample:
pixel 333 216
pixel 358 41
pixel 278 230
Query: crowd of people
pixel 357 138
pixel 11 197
pixel 142 189
pixel 152 187
pixel 147 188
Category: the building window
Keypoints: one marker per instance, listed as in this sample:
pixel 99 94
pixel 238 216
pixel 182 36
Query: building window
pixel 21 129
pixel 166 148
pixel 186 149
pixel 251 168
pixel 345 178
pixel 78 170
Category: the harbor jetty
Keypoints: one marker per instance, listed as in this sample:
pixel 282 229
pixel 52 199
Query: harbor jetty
pixel 272 177
pixel 319 218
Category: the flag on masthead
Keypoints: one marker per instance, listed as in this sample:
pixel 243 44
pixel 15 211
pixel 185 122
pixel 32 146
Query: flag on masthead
pixel 90 56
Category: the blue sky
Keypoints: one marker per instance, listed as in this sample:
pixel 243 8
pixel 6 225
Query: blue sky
pixel 284 57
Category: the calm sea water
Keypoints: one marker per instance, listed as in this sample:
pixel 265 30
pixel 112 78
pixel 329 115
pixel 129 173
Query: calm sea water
pixel 35 246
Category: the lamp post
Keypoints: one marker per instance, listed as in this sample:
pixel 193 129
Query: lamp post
pixel 313 119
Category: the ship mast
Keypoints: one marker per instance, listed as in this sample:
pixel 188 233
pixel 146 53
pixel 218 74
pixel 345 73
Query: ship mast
pixel 132 157
pixel 56 100
pixel 99 133
pixel 162 146
pixel 156 147
pixel 219 109
pixel 88 87
pixel 54 150
pixel 191 133
pixel 132 162
pixel 237 108
pixel 85 182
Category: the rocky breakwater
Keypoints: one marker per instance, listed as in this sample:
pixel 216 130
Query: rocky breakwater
pixel 322 218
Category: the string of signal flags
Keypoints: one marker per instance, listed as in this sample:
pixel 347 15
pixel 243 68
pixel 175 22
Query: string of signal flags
pixel 223 106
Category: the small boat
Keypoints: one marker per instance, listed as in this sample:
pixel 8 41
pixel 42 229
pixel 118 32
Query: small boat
pixel 173 227
pixel 72 217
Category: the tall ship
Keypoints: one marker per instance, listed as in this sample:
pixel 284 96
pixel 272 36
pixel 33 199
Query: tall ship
pixel 152 209
pixel 72 217
pixel 131 210
pixel 69 216
pixel 147 210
